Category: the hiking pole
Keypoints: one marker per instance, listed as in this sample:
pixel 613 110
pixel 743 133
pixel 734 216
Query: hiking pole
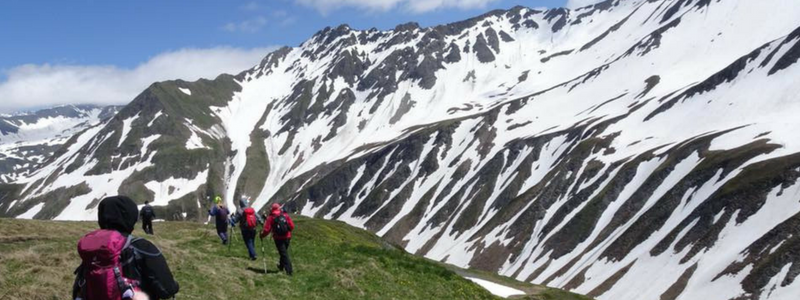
pixel 263 256
pixel 232 237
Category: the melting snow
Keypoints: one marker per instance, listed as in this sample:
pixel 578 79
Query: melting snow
pixel 175 188
pixel 31 212
pixel 126 128
pixel 195 142
pixel 497 289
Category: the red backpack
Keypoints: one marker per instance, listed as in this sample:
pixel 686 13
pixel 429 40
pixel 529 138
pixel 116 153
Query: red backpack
pixel 250 218
pixel 100 275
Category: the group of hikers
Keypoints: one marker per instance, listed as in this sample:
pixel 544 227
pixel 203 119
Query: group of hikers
pixel 118 265
pixel 278 223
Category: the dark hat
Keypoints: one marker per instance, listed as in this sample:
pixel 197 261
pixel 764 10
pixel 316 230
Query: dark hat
pixel 119 213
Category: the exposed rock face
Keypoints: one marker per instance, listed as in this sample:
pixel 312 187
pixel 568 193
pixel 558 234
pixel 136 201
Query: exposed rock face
pixel 630 149
pixel 28 140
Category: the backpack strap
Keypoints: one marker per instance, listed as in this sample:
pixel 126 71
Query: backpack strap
pixel 138 251
pixel 79 286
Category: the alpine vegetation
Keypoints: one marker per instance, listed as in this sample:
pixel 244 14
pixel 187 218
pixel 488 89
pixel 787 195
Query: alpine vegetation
pixel 630 149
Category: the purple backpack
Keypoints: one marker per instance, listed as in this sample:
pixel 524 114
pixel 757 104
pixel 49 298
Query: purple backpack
pixel 100 276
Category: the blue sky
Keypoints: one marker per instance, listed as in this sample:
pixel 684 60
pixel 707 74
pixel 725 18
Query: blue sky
pixel 51 45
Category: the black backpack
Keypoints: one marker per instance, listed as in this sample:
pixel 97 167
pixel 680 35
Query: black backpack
pixel 147 213
pixel 280 225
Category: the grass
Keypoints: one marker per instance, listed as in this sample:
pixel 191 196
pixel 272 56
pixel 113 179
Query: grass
pixel 332 261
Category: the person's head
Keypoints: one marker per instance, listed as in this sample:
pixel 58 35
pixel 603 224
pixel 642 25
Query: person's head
pixel 243 202
pixel 118 213
pixel 146 202
pixel 276 207
pixel 217 199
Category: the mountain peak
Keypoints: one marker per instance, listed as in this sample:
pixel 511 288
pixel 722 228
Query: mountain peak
pixel 580 149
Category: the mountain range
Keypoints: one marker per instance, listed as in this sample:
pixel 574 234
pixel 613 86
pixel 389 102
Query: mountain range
pixel 630 149
pixel 28 139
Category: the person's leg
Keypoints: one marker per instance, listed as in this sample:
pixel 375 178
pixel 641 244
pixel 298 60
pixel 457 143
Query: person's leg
pixel 288 263
pixel 222 232
pixel 250 240
pixel 279 247
pixel 283 251
pixel 144 226
pixel 150 226
pixel 251 247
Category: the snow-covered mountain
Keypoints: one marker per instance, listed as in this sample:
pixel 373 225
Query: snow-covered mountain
pixel 632 149
pixel 28 139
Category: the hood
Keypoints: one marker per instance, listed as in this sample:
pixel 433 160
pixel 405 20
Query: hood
pixel 119 213
pixel 276 209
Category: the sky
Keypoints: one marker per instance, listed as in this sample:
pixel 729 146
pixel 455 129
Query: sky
pixel 106 52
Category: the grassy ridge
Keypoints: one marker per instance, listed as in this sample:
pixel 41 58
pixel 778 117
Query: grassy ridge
pixel 332 261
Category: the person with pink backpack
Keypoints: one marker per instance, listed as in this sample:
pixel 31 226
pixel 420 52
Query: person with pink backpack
pixel 117 265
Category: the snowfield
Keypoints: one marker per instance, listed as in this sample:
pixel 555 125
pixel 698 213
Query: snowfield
pixel 629 149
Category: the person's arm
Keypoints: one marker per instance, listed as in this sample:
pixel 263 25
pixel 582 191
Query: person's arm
pixel 156 275
pixel 213 211
pixel 267 227
pixel 291 223
pixel 76 288
pixel 260 219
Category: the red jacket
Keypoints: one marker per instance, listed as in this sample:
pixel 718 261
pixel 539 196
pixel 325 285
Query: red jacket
pixel 268 226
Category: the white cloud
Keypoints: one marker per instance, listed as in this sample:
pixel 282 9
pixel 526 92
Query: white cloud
pixel 573 4
pixel 326 6
pixel 35 86
pixel 250 6
pixel 421 6
pixel 415 6
pixel 250 25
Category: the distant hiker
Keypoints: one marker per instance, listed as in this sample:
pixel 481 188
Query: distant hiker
pixel 117 265
pixel 280 225
pixel 248 222
pixel 147 218
pixel 220 213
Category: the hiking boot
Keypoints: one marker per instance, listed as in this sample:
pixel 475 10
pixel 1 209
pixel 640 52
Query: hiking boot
pixel 253 258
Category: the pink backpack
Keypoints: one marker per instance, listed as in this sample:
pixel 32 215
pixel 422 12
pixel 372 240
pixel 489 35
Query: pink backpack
pixel 100 276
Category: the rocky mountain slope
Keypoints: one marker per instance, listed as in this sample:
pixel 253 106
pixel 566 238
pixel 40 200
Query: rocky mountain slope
pixel 630 149
pixel 28 139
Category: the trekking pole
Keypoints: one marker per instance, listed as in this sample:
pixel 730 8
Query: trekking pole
pixel 231 238
pixel 263 256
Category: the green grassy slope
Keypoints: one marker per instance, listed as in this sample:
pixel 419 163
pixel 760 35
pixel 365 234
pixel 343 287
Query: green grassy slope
pixel 332 261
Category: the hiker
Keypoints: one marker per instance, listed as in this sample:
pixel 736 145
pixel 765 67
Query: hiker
pixel 117 265
pixel 280 225
pixel 147 218
pixel 220 213
pixel 248 222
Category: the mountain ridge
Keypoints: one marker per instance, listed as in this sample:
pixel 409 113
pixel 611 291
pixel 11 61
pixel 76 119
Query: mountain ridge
pixel 577 148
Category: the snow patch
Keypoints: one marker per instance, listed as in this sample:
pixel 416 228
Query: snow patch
pixel 496 289
pixel 31 212
pixel 175 188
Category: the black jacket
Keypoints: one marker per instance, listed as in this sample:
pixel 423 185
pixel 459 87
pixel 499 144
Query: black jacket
pixel 147 213
pixel 149 266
